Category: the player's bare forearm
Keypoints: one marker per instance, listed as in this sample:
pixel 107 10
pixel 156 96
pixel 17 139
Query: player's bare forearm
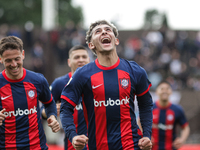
pixel 179 141
pixel 58 108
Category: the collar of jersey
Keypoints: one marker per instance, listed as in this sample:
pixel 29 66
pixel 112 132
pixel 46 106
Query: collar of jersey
pixel 70 74
pixel 163 107
pixel 10 80
pixel 107 68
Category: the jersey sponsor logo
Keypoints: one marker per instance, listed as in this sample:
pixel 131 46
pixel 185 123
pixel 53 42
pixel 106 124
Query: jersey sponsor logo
pixel 124 83
pixel 94 87
pixel 79 107
pixel 3 98
pixel 162 126
pixel 111 102
pixel 20 112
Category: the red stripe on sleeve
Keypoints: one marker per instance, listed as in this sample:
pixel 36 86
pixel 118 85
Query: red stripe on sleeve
pixel 125 125
pixel 48 101
pixel 75 115
pixel 68 100
pixel 10 124
pixel 185 125
pixel 97 83
pixel 145 91
pixel 34 139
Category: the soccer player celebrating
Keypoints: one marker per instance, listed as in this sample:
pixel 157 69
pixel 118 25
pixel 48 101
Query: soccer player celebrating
pixel 166 116
pixel 108 87
pixel 78 57
pixel 20 90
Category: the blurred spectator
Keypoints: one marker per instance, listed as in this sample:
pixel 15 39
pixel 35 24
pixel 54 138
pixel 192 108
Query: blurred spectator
pixel 38 58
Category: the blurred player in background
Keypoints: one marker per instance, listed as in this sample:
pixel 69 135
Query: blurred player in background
pixel 108 87
pixel 166 116
pixel 78 57
pixel 20 92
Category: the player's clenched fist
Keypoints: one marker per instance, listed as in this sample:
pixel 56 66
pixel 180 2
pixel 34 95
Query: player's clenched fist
pixel 53 123
pixel 2 116
pixel 79 142
pixel 145 143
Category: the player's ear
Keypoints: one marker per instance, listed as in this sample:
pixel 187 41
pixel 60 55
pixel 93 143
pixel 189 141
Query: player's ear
pixel 69 63
pixel 91 45
pixel 23 54
pixel 116 41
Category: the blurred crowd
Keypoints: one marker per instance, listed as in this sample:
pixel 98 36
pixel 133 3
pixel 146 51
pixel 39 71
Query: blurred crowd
pixel 164 54
pixel 167 54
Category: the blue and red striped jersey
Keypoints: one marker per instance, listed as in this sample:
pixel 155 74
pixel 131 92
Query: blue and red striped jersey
pixel 22 127
pixel 165 120
pixel 56 89
pixel 108 103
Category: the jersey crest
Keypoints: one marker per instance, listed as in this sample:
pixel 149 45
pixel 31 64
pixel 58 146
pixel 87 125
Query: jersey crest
pixel 124 83
pixel 31 93
pixel 170 117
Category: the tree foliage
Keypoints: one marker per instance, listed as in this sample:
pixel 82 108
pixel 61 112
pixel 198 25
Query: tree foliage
pixel 67 12
pixel 18 12
pixel 154 19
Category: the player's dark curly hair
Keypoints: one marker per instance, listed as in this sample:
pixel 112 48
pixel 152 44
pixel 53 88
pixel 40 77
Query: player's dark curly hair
pixel 10 42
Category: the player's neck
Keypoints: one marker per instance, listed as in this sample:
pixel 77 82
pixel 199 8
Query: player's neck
pixel 107 60
pixel 164 103
pixel 72 72
pixel 12 77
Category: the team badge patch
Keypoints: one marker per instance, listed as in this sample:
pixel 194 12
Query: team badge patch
pixel 124 83
pixel 31 93
pixel 170 117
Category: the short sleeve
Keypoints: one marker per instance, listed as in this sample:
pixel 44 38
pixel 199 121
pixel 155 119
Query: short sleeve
pixel 73 90
pixel 143 83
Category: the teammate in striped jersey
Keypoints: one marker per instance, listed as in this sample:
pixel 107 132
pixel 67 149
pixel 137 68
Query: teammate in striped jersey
pixel 20 92
pixel 166 116
pixel 108 87
pixel 78 57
